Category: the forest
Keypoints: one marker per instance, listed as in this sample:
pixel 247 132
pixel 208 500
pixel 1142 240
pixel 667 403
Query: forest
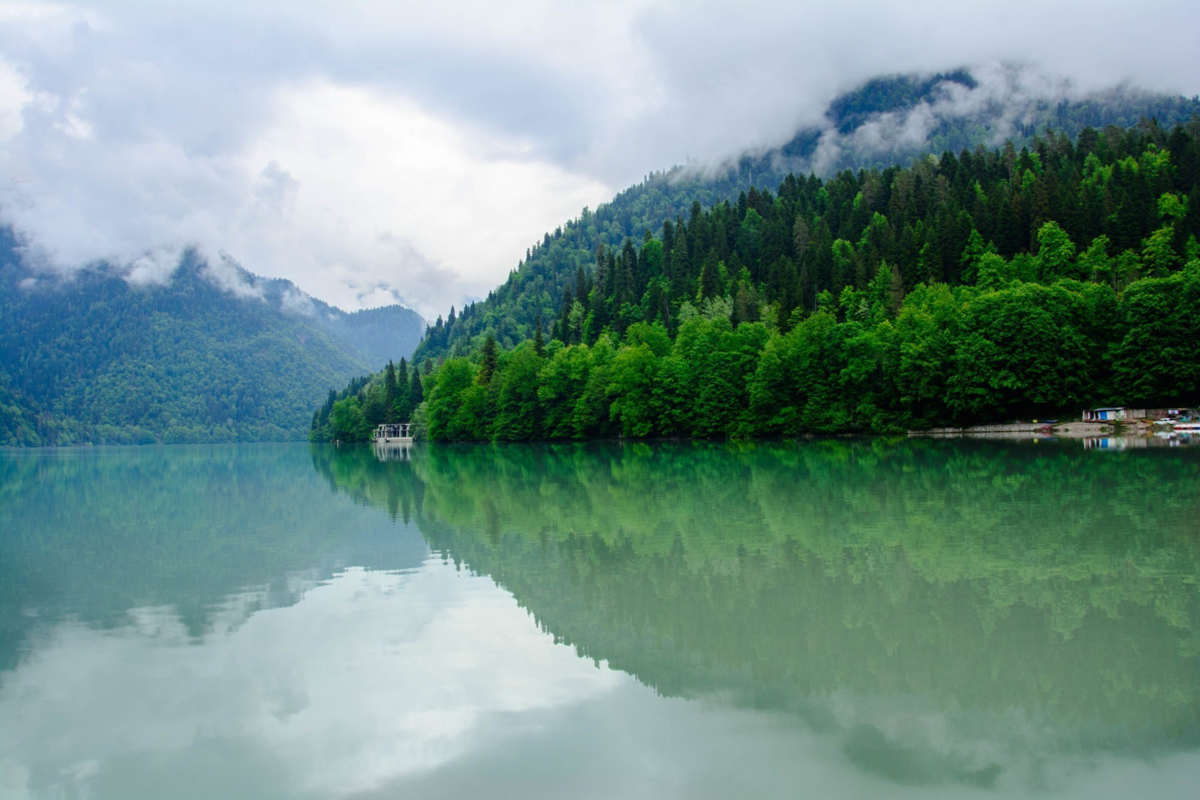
pixel 94 358
pixel 536 287
pixel 978 287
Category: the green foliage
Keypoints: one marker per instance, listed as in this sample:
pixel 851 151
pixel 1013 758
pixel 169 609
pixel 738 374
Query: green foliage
pixel 1155 359
pixel 899 299
pixel 19 419
pixel 451 408
pixel 96 359
pixel 1004 195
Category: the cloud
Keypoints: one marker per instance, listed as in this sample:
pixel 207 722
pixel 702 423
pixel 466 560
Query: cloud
pixel 294 302
pixel 1003 95
pixel 14 96
pixel 340 689
pixel 154 268
pixel 229 276
pixel 376 151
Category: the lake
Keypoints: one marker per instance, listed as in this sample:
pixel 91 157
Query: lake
pixel 827 619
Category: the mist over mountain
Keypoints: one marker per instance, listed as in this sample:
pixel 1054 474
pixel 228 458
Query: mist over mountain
pixel 192 352
pixel 180 346
pixel 888 121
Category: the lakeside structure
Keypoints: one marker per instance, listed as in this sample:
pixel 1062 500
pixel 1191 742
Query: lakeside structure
pixel 1094 424
pixel 389 433
pixel 393 441
pixel 1121 413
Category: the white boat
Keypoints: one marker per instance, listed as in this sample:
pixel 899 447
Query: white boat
pixel 1187 427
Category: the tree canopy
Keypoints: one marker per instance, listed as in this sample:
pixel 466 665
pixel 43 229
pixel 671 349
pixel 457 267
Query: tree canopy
pixel 987 286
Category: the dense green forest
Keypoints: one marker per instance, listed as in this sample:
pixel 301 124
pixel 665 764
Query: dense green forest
pixel 536 288
pixel 986 286
pixel 96 359
pixel 786 574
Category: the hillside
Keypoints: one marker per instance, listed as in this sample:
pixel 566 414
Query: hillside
pixel 991 286
pixel 868 128
pixel 96 359
pixel 379 335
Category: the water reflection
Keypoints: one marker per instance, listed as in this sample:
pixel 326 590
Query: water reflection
pixel 842 619
pixel 958 611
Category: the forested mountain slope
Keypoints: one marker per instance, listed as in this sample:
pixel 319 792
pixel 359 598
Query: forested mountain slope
pixel 96 359
pixel 869 127
pixel 981 287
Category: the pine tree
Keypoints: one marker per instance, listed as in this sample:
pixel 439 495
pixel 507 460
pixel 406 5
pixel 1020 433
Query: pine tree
pixel 602 276
pixel 539 344
pixel 681 266
pixel 389 392
pixel 800 237
pixel 415 393
pixel 404 404
pixel 489 360
pixel 710 279
pixel 581 283
pixel 568 301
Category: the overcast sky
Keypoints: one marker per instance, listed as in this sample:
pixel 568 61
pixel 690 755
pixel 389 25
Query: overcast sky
pixel 376 152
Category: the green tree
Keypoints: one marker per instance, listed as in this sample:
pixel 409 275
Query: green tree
pixel 1056 252
pixel 1158 252
pixel 518 412
pixel 488 360
pixel 1155 361
pixel 450 385
pixel 390 394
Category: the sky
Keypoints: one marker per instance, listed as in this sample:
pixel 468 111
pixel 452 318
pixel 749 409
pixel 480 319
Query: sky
pixel 381 152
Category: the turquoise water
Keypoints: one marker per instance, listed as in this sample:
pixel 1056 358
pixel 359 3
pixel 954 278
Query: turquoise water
pixel 825 619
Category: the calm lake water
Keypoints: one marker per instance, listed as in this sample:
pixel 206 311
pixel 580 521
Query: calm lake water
pixel 829 620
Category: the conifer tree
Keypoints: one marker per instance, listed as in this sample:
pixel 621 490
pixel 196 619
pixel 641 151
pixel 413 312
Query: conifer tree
pixel 389 392
pixel 489 360
pixel 681 264
pixel 415 393
pixel 710 281
pixel 568 301
pixel 403 404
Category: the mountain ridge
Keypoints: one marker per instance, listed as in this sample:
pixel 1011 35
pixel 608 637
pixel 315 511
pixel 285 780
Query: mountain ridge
pixel 213 353
pixel 537 286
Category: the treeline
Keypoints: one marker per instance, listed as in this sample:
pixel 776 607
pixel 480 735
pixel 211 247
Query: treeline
pixel 980 287
pixel 352 414
pixel 536 288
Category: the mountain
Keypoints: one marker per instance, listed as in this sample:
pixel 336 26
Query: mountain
pixel 380 335
pixel 888 121
pixel 215 354
pixel 986 287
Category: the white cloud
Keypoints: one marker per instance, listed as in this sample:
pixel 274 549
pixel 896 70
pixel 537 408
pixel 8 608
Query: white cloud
pixel 373 150
pixel 153 268
pixel 432 682
pixel 14 96
pixel 227 274
pixel 385 197
pixel 371 677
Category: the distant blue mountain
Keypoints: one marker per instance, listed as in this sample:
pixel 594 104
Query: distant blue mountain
pixel 95 359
